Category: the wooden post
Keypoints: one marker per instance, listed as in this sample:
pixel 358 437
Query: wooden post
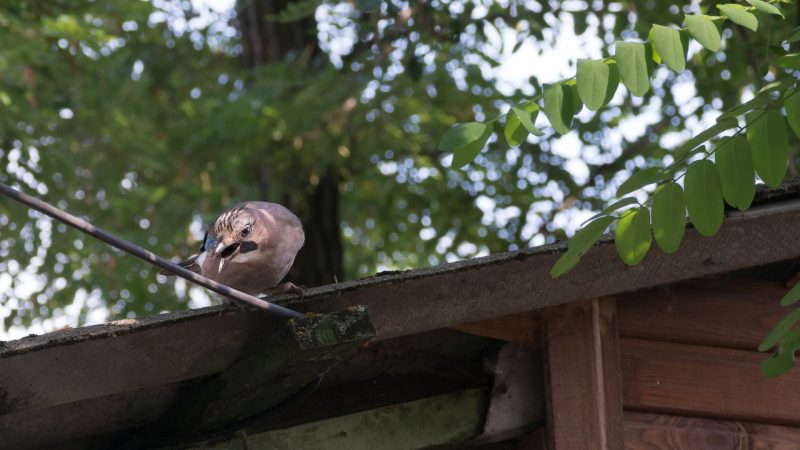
pixel 583 384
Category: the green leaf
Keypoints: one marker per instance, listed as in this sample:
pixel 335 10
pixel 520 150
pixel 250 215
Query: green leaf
pixel 580 243
pixel 790 61
pixel 465 141
pixel 765 7
pixel 557 106
pixel 516 134
pixel 513 132
pixel 792 296
pixel 632 236
pixel 572 101
pixel 462 134
pixel 776 86
pixel 792 105
pixel 708 133
pixel 779 330
pixel 639 180
pixel 766 134
pixel 736 172
pixel 782 360
pixel 526 119
pixel 633 60
pixel 704 29
pixel 668 43
pixel 597 82
pixel 627 201
pixel 739 15
pixel 669 217
pixel 564 264
pixel 704 197
pixel 794 37
pixel 753 103
pixel 587 236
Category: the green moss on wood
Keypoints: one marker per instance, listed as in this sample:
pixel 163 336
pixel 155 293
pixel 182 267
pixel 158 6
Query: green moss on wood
pixel 449 419
pixel 286 361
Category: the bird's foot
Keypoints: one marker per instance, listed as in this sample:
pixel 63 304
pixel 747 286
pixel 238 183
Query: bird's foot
pixel 287 287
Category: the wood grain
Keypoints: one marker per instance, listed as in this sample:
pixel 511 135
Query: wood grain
pixel 706 381
pixel 664 432
pixel 523 328
pixel 583 388
pixel 52 369
pixel 725 312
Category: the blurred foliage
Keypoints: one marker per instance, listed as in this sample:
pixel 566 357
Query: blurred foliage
pixel 141 117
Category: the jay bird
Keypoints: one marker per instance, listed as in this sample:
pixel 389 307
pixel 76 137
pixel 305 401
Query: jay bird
pixel 251 247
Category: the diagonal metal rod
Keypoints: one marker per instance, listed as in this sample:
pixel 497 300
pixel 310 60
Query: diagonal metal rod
pixel 86 227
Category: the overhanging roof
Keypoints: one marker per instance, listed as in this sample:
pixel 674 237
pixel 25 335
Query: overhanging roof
pixel 96 370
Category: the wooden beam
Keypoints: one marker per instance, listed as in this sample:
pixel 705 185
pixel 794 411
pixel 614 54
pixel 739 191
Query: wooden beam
pixel 665 432
pixel 44 428
pixel 450 419
pixel 80 364
pixel 682 379
pixel 52 369
pixel 523 328
pixel 498 285
pixel 282 366
pixel 723 312
pixel 583 387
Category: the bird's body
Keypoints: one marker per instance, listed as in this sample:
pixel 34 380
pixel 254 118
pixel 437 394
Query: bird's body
pixel 250 247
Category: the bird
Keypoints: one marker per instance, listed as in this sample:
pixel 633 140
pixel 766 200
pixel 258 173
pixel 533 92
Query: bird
pixel 251 247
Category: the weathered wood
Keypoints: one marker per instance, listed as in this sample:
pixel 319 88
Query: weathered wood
pixel 277 370
pixel 724 312
pixel 695 380
pixel 386 372
pixel 497 285
pixel 44 427
pixel 446 419
pixel 49 370
pixel 79 364
pixel 583 387
pixel 663 432
pixel 521 328
pixel 534 441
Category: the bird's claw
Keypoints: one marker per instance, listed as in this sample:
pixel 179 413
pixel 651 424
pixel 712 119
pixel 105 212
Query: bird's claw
pixel 287 287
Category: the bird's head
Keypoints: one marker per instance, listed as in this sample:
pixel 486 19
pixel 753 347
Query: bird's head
pixel 236 233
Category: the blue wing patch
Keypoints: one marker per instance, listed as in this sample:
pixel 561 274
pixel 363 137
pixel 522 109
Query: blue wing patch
pixel 208 242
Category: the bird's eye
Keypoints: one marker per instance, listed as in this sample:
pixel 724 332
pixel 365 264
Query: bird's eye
pixel 245 231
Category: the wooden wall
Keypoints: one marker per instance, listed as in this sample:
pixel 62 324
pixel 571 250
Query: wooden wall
pixel 687 374
pixel 668 368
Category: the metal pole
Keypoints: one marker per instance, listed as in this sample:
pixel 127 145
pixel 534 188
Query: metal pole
pixel 127 246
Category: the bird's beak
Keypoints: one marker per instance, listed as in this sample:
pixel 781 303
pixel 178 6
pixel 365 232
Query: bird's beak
pixel 226 254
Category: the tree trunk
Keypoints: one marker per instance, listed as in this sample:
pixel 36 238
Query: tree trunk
pixel 268 41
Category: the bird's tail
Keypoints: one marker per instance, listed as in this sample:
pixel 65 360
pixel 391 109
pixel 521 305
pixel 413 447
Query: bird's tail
pixel 190 264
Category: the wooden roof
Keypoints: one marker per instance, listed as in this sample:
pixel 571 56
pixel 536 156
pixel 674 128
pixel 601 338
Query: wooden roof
pixel 93 381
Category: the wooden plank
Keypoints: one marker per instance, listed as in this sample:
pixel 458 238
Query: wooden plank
pixel 583 387
pixel 72 365
pixel 683 379
pixel 508 283
pixel 449 419
pixel 723 312
pixel 80 364
pixel 523 328
pixel 663 432
pixel 282 366
pixel 45 427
